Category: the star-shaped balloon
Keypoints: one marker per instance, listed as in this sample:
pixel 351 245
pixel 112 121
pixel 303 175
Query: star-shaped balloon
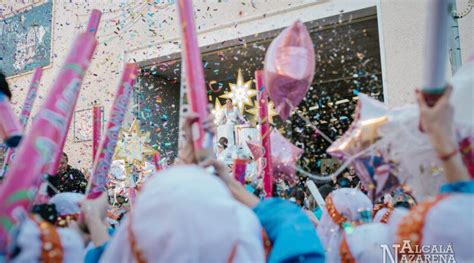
pixel 133 147
pixel 241 93
pixel 370 115
pixel 372 167
pixel 391 142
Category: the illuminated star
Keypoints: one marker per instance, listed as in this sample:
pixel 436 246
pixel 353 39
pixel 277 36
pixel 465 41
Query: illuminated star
pixel 271 111
pixel 133 147
pixel 217 111
pixel 241 93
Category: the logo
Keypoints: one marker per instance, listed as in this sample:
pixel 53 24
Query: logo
pixel 406 253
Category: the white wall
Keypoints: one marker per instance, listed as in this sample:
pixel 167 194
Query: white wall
pixel 401 21
pixel 403 27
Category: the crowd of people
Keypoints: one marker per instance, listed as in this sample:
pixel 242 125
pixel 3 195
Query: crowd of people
pixel 195 211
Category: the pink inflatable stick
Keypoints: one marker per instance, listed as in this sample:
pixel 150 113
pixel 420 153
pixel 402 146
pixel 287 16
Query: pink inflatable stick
pixel 94 20
pixel 101 167
pixel 156 161
pixel 30 97
pixel 436 50
pixel 264 133
pixel 96 129
pixel 25 113
pixel 24 175
pixel 238 170
pixel 194 77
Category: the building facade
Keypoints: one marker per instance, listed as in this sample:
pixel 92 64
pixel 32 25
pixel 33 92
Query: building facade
pixel 147 32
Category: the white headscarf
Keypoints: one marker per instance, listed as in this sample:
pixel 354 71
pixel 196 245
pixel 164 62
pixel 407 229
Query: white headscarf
pixel 364 244
pixel 187 215
pixel 28 241
pixel 348 202
pixel 451 222
pixel 463 94
pixel 394 215
pixel 447 222
pixel 67 203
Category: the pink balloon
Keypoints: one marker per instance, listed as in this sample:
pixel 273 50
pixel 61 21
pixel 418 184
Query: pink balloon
pixel 373 169
pixel 256 149
pixel 289 68
pixel 284 156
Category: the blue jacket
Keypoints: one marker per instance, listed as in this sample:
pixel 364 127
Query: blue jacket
pixel 293 236
pixel 94 254
pixel 466 187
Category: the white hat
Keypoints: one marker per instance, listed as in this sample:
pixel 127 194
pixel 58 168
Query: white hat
pixel 364 244
pixel 463 94
pixel 67 203
pixel 444 221
pixel 342 205
pixel 386 215
pixel 36 239
pixel 187 215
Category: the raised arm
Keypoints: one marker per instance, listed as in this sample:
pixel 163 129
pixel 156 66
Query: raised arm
pixel 437 122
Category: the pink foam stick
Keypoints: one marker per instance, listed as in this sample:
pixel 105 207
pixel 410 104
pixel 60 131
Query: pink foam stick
pixel 96 129
pixel 25 112
pixel 94 20
pixel 31 96
pixel 103 159
pixel 41 142
pixel 264 133
pixel 10 127
pixel 156 161
pixel 194 76
pixel 239 169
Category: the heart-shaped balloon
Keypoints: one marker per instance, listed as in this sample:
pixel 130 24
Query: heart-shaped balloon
pixel 289 68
